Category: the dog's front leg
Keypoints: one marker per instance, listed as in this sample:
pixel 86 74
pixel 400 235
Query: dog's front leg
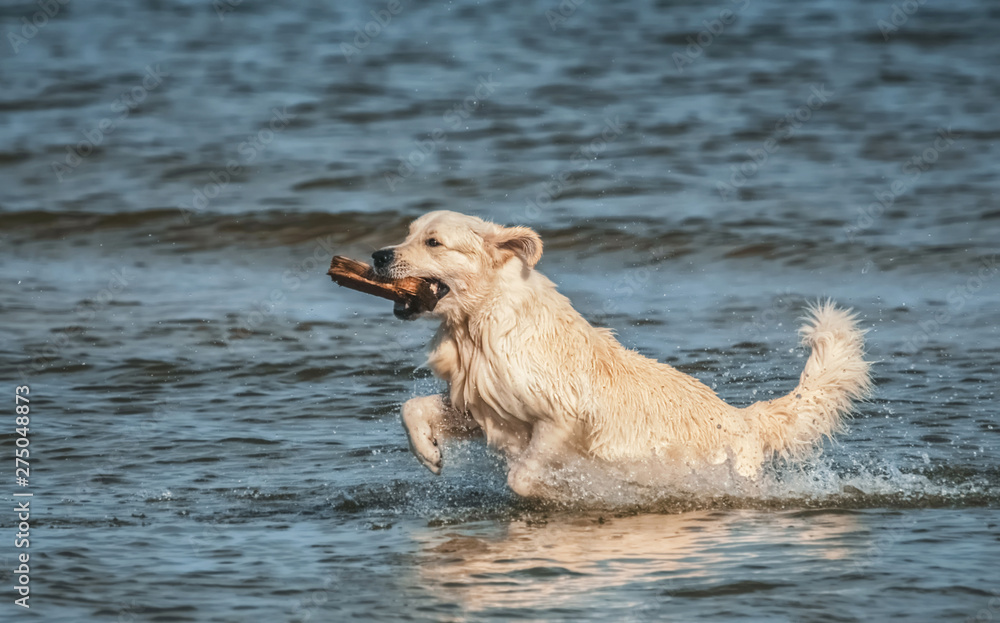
pixel 429 419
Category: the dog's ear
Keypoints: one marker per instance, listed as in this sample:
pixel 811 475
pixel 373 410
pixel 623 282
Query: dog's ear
pixel 522 242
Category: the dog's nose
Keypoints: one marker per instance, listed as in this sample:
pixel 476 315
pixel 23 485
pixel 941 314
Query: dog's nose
pixel 382 257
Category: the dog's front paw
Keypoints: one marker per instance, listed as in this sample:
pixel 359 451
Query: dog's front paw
pixel 424 445
pixel 428 450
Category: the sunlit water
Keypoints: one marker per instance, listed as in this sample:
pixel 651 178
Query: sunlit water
pixel 215 430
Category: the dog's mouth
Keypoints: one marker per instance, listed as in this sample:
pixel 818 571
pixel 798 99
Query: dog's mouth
pixel 410 308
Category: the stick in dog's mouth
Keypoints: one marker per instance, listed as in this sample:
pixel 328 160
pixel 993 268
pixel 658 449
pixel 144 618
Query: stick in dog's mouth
pixel 410 307
pixel 411 295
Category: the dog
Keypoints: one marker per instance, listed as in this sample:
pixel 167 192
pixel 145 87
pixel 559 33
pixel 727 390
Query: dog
pixel 525 370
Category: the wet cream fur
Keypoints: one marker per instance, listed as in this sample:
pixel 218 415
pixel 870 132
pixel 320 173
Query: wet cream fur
pixel 544 386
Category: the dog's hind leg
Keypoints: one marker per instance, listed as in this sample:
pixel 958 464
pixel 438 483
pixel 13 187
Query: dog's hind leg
pixel 530 473
pixel 428 420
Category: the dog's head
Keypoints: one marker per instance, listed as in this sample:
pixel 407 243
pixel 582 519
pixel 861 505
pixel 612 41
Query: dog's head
pixel 464 254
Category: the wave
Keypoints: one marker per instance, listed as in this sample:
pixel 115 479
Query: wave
pixel 649 239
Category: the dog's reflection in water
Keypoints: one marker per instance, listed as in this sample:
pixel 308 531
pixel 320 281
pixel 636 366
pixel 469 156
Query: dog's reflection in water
pixel 566 561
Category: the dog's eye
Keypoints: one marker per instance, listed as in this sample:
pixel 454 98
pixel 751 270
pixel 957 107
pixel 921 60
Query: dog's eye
pixel 433 242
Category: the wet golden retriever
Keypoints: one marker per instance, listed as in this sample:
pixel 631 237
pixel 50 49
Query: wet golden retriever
pixel 543 386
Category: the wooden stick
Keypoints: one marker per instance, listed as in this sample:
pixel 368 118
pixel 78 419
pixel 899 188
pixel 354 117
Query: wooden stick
pixel 360 276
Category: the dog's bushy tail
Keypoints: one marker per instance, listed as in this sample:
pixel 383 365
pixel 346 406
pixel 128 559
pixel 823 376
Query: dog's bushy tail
pixel 836 375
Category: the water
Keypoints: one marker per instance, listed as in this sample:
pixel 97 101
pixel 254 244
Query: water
pixel 215 434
